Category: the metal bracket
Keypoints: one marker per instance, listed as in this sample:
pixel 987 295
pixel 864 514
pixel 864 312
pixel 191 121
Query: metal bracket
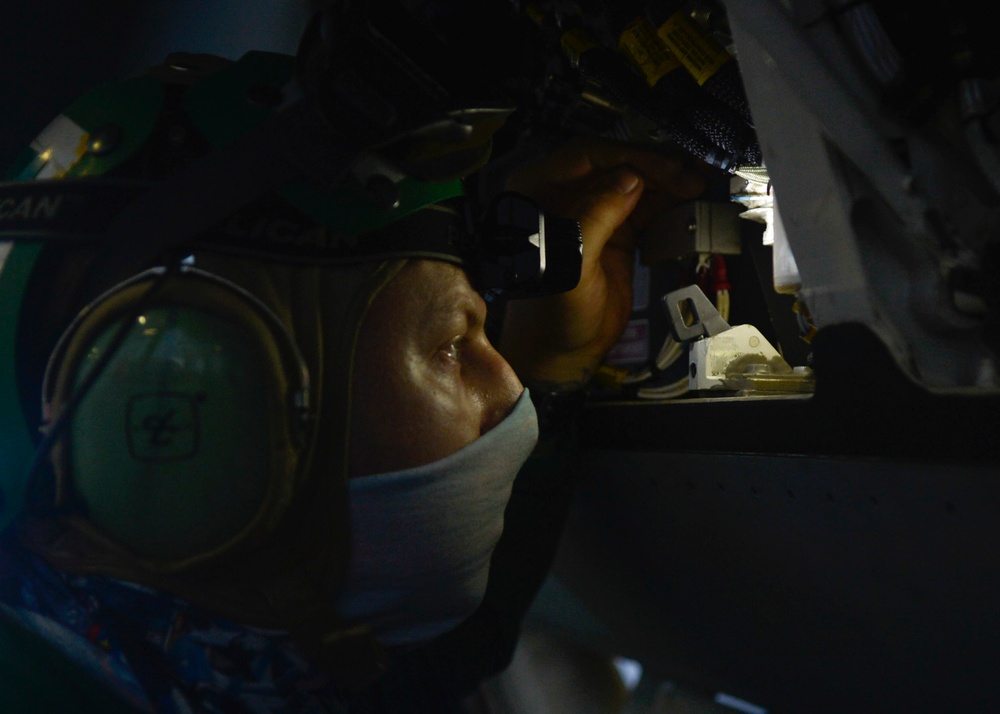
pixel 701 318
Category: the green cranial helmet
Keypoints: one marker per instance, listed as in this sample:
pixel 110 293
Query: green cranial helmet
pixel 185 260
pixel 138 170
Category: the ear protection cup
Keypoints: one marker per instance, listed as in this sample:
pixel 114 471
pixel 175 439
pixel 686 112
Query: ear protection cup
pixel 187 444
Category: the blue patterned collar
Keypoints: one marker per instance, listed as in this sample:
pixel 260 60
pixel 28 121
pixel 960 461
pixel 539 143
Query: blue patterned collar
pixel 159 652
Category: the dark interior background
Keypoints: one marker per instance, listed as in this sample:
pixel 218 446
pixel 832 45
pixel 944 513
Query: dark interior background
pixel 51 51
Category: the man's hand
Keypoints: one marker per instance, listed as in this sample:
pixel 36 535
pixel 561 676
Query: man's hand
pixel 613 189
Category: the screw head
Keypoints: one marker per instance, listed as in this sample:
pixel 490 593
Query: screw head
pixel 104 140
pixel 383 192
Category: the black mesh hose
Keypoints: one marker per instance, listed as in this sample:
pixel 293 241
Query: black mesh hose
pixel 673 101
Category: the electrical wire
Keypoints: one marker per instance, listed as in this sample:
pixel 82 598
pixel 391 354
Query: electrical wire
pixel 722 304
pixel 669 353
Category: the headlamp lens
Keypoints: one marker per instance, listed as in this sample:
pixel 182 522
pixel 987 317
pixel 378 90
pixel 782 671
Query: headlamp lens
pixel 526 253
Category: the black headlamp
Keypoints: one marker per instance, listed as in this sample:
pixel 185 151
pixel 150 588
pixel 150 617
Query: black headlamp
pixel 524 252
pixel 514 249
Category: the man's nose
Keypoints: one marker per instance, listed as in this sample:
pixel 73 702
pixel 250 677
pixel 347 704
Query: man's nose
pixel 500 390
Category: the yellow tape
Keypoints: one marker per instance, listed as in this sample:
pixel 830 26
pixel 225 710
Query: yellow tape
pixel 698 52
pixel 639 43
pixel 575 42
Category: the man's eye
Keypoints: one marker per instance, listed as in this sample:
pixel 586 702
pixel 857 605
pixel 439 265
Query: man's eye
pixel 453 351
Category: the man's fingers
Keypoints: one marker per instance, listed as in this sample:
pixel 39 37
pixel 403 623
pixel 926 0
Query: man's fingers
pixel 583 156
pixel 605 207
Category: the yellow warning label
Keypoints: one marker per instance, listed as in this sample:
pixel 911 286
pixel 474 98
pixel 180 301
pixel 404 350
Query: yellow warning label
pixel 575 42
pixel 639 43
pixel 698 52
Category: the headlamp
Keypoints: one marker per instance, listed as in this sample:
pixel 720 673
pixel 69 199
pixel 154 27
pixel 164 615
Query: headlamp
pixel 515 250
pixel 526 253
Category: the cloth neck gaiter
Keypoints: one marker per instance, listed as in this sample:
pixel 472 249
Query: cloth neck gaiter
pixel 421 538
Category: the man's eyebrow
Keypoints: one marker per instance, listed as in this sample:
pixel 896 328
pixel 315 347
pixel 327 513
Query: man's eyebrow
pixel 454 301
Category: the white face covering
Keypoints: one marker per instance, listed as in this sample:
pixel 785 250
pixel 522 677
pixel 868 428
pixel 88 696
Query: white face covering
pixel 421 538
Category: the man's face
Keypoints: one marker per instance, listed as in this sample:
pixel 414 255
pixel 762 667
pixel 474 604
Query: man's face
pixel 427 381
